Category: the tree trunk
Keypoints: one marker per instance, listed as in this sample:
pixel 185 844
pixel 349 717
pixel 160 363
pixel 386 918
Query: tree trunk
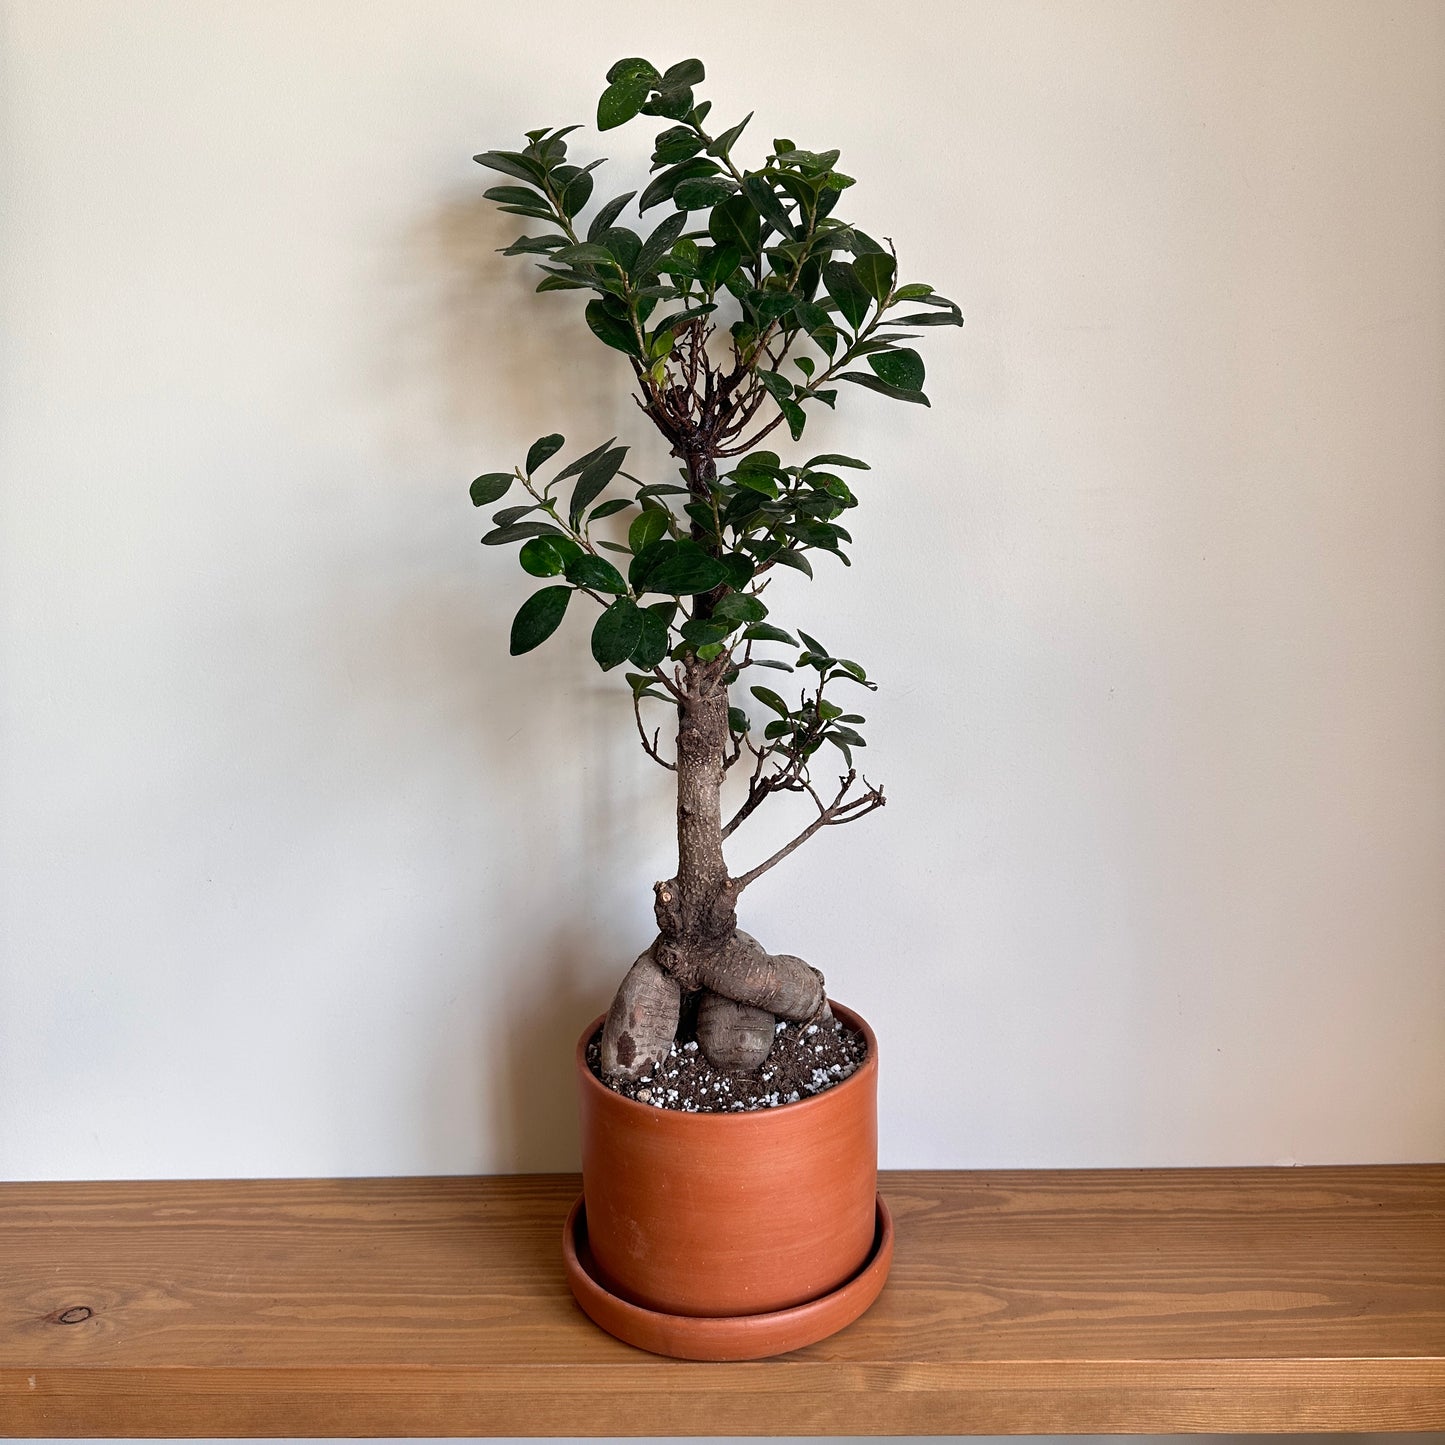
pixel 699 947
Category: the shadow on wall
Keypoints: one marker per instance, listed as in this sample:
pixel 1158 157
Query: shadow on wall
pixel 486 355
pixel 486 363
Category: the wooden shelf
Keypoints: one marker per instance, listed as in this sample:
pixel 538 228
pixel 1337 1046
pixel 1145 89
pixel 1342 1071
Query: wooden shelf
pixel 1072 1302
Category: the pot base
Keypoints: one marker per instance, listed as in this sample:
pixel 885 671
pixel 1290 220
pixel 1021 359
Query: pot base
pixel 734 1337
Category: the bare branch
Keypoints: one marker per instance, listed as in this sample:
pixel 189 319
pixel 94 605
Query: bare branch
pixel 650 748
pixel 838 811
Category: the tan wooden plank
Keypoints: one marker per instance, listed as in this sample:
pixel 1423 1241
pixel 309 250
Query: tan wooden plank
pixel 1020 1302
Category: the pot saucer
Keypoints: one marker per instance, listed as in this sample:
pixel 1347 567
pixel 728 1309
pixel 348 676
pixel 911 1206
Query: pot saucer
pixel 734 1337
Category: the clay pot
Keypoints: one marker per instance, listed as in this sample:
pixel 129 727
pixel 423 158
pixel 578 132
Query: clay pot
pixel 713 1215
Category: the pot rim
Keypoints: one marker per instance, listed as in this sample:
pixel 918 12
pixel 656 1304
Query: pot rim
pixel 866 1070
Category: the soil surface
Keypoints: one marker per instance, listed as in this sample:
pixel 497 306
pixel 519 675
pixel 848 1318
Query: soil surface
pixel 806 1059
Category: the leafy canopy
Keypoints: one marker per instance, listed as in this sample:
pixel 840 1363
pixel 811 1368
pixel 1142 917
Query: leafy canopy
pixel 738 311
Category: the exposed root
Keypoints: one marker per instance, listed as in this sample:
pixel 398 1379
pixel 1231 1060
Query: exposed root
pixel 734 1036
pixel 642 1022
pixel 744 971
pixel 740 991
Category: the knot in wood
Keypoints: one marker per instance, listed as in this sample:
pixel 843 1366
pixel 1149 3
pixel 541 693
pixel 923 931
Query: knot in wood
pixel 76 1314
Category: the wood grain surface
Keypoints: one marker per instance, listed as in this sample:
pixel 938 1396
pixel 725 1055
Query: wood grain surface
pixel 1020 1302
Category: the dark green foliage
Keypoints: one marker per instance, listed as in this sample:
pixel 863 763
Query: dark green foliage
pixel 751 253
pixel 491 488
pixel 538 618
pixel 616 633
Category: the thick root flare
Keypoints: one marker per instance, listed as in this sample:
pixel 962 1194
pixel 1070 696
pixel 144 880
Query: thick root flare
pixel 734 1036
pixel 744 971
pixel 642 1022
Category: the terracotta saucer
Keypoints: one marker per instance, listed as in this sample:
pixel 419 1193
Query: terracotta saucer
pixel 737 1337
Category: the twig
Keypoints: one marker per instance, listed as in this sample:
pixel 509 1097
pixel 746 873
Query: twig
pixel 651 748
pixel 835 813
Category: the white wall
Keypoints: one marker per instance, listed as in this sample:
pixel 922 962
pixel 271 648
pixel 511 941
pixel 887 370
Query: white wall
pixel 302 875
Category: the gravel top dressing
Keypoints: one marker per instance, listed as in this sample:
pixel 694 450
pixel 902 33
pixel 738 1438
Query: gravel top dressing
pixel 806 1059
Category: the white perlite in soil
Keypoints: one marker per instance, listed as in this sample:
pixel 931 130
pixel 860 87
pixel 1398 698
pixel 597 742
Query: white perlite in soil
pixel 807 1059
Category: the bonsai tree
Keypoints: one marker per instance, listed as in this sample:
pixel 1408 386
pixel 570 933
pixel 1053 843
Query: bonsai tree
pixel 738 313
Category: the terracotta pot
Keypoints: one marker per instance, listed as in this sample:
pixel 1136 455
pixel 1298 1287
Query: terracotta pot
pixel 711 1215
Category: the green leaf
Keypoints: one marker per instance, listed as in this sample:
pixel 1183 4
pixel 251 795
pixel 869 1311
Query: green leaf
pixel 658 244
pixel 915 291
pixel 595 476
pixel 685 72
pixel 682 568
pixel 537 213
pixel 612 330
pixel 739 569
pixel 779 385
pixel 734 223
pixel 534 245
pixel 861 243
pixel 623 243
pixel 538 618
pixel 719 264
pixel 491 488
pixel 741 607
pixel 585 253
pixel 562 283
pixel 701 193
pixel 770 305
pixel 760 462
pixel 703 632
pixel 575 194
pixel 647 528
pixel 766 632
pixel 678 143
pixel 622 100
pixel 796 560
pixel 875 383
pixel 510 163
pixel 631 66
pixel 572 469
pixel 674 102
pixel 768 204
pixel 875 271
pixel 795 416
pixel 729 138
pixel 758 482
pixel 520 530
pixel 902 368
pixel 595 572
pixel 652 646
pixel 769 698
pixel 539 557
pixel 516 196
pixel 616 633
pixel 738 722
pixel 508 515
pixel 661 187
pixel 542 449
pixel 609 509
pixel 771 662
pixel 930 318
pixel 842 284
pixel 678 318
pixel 608 214
pixel 833 459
